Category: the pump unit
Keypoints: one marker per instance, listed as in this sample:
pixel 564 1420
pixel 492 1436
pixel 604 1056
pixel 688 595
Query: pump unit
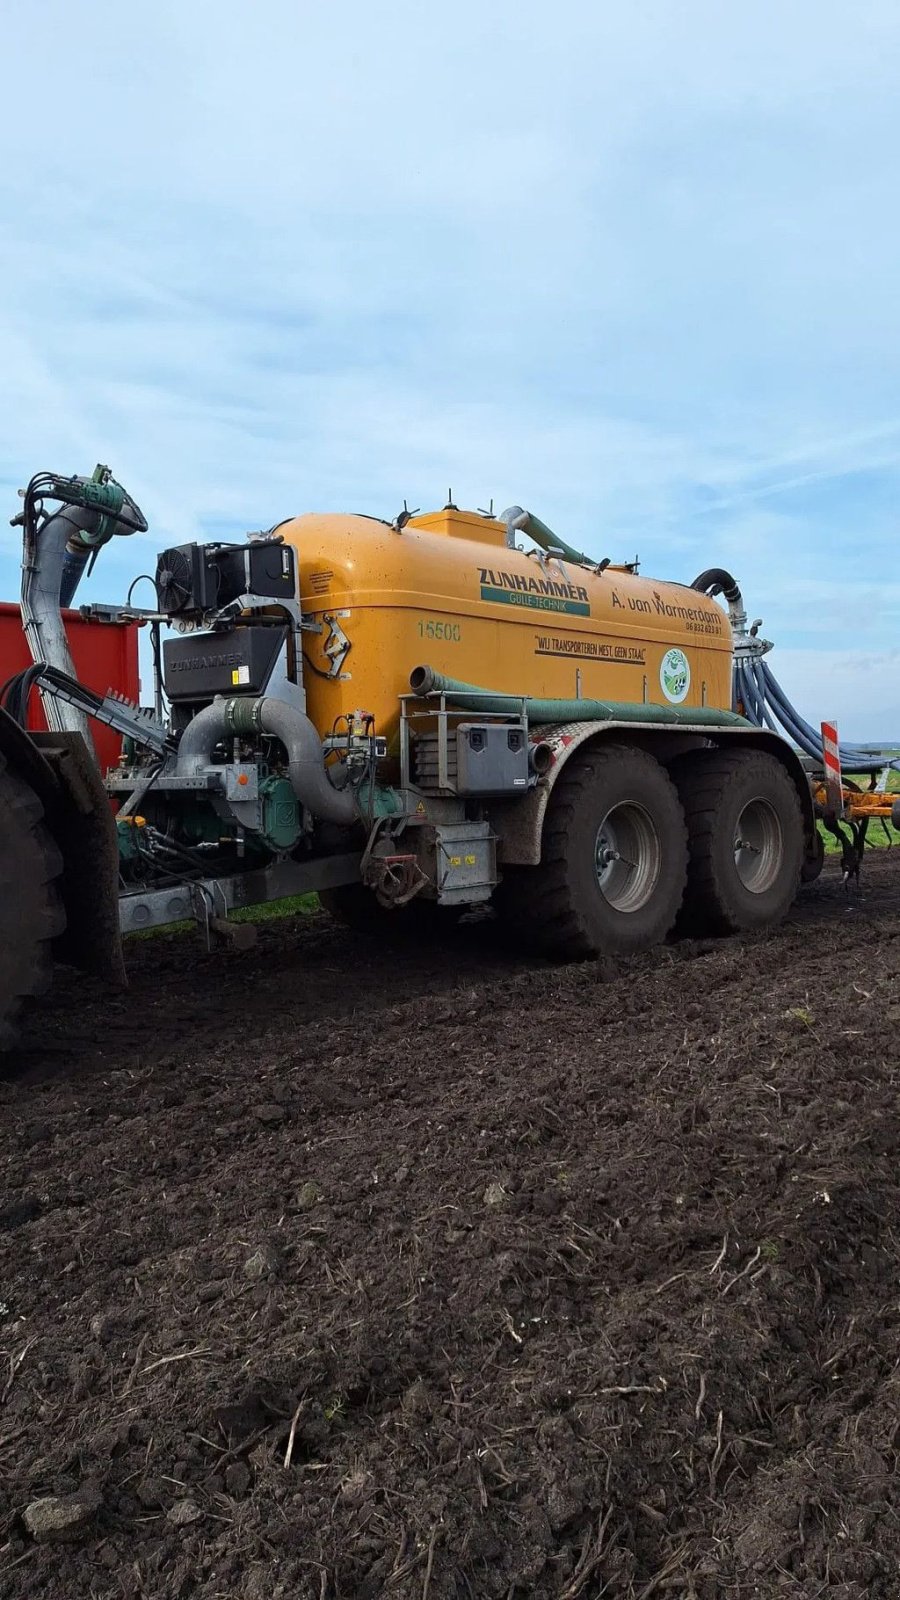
pixel 193 579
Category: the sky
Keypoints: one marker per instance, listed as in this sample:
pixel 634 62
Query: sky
pixel 635 266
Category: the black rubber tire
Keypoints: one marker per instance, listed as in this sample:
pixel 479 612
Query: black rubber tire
pixel 715 788
pixel 812 865
pixel 31 911
pixel 558 906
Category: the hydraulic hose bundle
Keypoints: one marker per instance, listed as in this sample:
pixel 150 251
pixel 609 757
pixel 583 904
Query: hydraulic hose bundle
pixel 96 509
pixel 758 692
pixel 766 704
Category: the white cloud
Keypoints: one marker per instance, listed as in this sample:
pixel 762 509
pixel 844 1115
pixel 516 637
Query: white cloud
pixel 855 688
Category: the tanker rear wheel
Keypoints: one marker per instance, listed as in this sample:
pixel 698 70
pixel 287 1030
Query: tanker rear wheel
pixel 31 912
pixel 613 859
pixel 813 864
pixel 745 830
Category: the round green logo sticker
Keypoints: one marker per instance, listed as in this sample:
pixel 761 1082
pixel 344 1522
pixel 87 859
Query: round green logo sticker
pixel 675 676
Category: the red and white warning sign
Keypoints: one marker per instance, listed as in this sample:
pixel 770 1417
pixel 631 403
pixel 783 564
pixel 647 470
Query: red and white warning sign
pixel 831 756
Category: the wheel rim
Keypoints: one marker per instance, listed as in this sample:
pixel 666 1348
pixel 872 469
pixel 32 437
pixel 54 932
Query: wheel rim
pixel 627 857
pixel 758 846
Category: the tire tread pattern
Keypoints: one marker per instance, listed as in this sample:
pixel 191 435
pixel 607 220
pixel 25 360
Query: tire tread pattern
pixel 702 781
pixel 538 901
pixel 31 909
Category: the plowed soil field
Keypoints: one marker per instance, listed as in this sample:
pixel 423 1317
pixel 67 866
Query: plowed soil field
pixel 334 1271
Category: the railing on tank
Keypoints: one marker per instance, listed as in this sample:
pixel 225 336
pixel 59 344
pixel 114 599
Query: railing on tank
pixel 441 713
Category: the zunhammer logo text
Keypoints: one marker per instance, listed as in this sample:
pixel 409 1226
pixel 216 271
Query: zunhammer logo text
pixel 197 663
pixel 536 594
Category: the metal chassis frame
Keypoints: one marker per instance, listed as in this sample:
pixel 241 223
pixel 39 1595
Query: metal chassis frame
pixel 155 908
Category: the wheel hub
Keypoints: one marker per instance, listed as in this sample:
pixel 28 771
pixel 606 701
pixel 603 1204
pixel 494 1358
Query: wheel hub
pixel 758 846
pixel 627 856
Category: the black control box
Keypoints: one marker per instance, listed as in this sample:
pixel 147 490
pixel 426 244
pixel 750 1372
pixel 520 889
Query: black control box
pixel 491 758
pixel 198 666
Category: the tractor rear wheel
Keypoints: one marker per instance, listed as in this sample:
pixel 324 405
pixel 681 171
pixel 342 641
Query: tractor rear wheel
pixel 613 859
pixel 31 912
pixel 745 832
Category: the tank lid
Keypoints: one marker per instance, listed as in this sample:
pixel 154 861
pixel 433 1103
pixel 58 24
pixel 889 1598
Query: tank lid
pixel 458 524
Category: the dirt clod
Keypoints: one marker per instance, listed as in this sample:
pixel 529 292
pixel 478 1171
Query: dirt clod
pixel 183 1512
pixel 57 1518
pixel 263 1263
pixel 270 1115
pixel 238 1478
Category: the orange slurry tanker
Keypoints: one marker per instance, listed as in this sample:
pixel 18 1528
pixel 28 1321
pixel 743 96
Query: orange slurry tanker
pixel 414 719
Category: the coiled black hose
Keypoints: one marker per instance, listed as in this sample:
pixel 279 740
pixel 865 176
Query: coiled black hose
pixel 715 580
pixel 764 701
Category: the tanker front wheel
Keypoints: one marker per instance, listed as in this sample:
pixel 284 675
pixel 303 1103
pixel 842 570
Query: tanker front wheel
pixel 31 913
pixel 613 859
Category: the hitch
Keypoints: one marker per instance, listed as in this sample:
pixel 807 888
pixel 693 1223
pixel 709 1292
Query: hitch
pixel 213 925
pixel 242 935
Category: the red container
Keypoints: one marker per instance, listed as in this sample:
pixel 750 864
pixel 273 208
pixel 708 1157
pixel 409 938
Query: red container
pixel 105 656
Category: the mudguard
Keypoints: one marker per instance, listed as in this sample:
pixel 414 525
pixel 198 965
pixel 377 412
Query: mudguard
pixel 519 823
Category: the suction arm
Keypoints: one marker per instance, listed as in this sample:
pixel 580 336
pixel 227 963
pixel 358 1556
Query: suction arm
pixel 56 549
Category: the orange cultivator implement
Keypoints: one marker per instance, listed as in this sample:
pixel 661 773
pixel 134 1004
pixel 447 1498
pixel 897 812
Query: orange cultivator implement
pixel 845 809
